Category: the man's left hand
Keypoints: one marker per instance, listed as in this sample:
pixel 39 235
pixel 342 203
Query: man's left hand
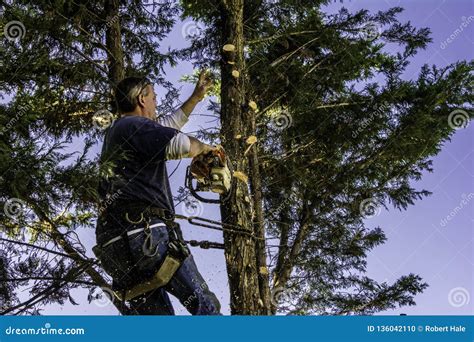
pixel 204 83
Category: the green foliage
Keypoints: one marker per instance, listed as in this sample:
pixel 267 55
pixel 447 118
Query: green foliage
pixel 338 126
pixel 53 79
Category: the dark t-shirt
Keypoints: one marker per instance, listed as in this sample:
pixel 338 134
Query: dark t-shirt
pixel 136 146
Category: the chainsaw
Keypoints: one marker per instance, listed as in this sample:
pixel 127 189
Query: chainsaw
pixel 213 173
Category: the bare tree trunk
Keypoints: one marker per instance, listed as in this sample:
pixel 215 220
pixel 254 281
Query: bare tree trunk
pixel 240 253
pixel 259 227
pixel 286 261
pixel 113 42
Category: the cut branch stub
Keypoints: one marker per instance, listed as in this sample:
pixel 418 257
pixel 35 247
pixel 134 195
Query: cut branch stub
pixel 251 140
pixel 241 176
pixel 229 53
pixel 229 48
pixel 253 105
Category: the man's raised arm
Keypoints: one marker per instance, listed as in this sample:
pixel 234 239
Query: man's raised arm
pixel 179 118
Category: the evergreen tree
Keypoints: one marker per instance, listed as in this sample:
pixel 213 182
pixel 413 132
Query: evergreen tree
pixel 315 115
pixel 339 133
pixel 60 62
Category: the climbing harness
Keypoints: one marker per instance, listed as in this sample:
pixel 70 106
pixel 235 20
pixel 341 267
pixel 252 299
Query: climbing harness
pixel 177 250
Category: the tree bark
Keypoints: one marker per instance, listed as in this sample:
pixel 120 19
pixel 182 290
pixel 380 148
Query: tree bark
pixel 286 262
pixel 259 227
pixel 240 250
pixel 113 42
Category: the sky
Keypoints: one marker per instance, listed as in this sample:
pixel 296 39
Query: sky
pixel 432 238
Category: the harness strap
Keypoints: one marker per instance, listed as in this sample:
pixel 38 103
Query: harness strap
pixel 130 233
pixel 176 253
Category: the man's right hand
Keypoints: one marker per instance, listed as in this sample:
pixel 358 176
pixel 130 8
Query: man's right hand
pixel 198 147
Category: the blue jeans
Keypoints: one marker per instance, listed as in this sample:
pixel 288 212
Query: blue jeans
pixel 187 283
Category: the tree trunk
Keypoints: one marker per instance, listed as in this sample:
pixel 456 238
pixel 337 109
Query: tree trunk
pixel 259 227
pixel 240 253
pixel 286 261
pixel 113 42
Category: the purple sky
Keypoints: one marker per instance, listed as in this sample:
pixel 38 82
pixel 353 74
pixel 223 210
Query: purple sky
pixel 418 241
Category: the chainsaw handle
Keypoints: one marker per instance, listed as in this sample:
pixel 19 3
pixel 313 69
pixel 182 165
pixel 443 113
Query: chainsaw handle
pixel 216 225
pixel 189 185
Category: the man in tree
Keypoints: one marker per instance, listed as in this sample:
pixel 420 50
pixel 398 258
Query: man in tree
pixel 135 230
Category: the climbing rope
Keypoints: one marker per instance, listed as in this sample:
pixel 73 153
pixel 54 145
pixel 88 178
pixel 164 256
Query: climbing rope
pixel 205 244
pixel 216 225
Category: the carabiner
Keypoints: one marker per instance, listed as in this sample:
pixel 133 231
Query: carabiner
pixel 147 248
pixel 134 222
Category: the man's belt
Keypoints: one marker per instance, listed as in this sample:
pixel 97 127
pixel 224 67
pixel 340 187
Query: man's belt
pixel 144 208
pixel 131 232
